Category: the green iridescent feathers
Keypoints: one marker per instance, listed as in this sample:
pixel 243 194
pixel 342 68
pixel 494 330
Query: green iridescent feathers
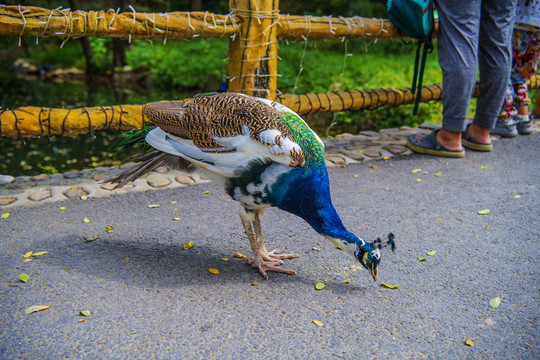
pixel 307 140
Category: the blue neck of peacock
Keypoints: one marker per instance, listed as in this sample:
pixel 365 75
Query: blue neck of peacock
pixel 306 193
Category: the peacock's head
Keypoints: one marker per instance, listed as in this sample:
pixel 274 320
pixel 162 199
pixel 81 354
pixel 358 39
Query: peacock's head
pixel 369 254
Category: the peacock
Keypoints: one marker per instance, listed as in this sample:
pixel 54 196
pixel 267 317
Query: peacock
pixel 264 154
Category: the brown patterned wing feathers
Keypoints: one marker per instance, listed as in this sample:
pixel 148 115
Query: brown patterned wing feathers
pixel 206 118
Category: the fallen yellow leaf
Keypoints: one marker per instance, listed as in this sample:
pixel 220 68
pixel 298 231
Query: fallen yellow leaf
pixel 213 271
pixel 418 180
pixel 361 150
pixel 84 197
pixel 389 286
pixel 189 245
pixel 86 220
pixel 414 171
pixel 319 286
pixel 91 239
pixel 239 255
pixel 432 252
pixel 469 342
pixel 484 167
pixel 109 229
pixel 347 281
pixel 355 176
pixel 39 253
pixel 318 323
pixel 373 166
pixel 176 219
pixel 24 277
pixel 225 259
pixel 85 313
pixel 206 192
pixel 62 208
pixel 483 212
pixel 421 258
pixel 438 174
pixel 153 206
pixel 495 302
pixel 254 283
pixel 386 158
pixel 36 308
pixel 4 216
pixel 517 196
pixel 28 260
pixel 27 255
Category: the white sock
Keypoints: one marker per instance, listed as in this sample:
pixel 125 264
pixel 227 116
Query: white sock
pixel 522 118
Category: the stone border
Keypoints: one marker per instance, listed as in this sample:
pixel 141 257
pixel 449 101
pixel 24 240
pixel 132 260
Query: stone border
pixel 341 150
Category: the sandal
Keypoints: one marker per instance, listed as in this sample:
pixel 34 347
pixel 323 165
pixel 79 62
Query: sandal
pixel 429 145
pixel 470 143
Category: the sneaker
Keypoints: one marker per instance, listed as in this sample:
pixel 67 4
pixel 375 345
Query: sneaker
pixel 505 127
pixel 524 125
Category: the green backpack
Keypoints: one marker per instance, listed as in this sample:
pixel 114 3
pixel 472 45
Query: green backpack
pixel 415 18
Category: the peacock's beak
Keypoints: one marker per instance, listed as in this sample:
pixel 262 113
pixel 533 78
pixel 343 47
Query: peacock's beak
pixel 373 274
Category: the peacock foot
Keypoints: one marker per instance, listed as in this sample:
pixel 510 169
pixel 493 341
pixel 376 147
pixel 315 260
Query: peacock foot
pixel 271 261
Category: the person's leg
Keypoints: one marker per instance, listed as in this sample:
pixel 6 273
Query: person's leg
pixel 529 53
pixel 458 49
pixel 495 63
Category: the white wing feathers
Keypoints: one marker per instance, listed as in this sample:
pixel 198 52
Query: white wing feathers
pixel 235 153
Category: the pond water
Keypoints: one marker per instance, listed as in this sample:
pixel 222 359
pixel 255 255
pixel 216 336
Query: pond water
pixel 31 156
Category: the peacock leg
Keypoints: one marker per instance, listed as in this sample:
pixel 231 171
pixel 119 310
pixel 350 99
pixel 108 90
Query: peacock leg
pixel 274 255
pixel 258 249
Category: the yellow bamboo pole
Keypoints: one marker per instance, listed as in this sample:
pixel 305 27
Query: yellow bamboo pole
pixel 253 50
pixel 32 121
pixel 294 27
pixel 66 24
pixel 355 99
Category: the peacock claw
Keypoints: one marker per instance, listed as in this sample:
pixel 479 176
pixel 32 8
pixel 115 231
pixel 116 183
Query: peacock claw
pixel 264 266
pixel 271 261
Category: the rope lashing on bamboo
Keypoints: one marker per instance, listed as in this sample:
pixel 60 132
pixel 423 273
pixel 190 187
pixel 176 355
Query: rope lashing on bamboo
pixel 66 24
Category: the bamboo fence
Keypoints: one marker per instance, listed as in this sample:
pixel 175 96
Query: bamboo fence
pixel 253 28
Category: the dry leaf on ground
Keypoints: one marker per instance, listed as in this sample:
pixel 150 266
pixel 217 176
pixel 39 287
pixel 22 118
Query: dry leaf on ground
pixel 389 286
pixel 189 245
pixel 320 286
pixel 36 308
pixel 495 302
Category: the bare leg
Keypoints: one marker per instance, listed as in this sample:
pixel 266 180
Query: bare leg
pixel 262 259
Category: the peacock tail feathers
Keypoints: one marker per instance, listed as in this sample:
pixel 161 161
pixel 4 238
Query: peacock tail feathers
pixel 132 138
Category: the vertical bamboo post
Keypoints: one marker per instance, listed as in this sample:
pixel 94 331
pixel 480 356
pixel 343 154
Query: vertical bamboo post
pixel 253 51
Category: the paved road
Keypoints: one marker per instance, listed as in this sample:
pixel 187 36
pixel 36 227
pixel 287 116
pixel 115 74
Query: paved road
pixel 152 299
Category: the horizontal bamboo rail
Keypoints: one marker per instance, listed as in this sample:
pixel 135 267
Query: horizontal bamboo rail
pixel 37 121
pixel 65 24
